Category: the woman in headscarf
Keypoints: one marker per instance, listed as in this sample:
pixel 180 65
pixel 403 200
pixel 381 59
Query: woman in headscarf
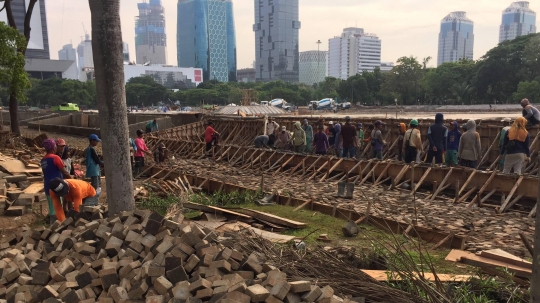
pixel 283 139
pixel 298 138
pixel 516 145
pixel 469 146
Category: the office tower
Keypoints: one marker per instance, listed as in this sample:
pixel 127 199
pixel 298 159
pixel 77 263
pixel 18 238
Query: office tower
pixel 88 53
pixel 517 20
pixel 206 38
pixel 125 50
pixel 456 39
pixel 67 53
pixel 80 55
pixel 38 46
pixel 312 67
pixel 150 37
pixel 276 40
pixel 353 53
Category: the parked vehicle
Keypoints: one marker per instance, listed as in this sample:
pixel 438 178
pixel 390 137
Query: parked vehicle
pixel 324 104
pixel 66 107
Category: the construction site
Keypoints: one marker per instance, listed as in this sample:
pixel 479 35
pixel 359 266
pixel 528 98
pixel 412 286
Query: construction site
pixel 247 224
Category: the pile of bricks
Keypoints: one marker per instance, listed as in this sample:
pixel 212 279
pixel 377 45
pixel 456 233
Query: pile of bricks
pixel 18 193
pixel 139 256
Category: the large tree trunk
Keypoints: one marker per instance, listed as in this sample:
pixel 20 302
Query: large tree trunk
pixel 14 114
pixel 111 96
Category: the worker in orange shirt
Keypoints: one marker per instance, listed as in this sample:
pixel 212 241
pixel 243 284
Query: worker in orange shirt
pixel 75 191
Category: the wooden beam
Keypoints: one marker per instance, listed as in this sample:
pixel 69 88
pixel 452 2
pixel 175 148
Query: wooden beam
pixel 312 165
pixel 533 211
pixel 284 164
pixel 450 236
pixel 516 199
pixel 424 176
pixel 273 219
pixel 496 140
pixel 383 172
pixel 372 171
pixel 509 197
pixel 218 210
pixel 441 186
pixel 320 168
pixel 302 205
pixel 467 182
pixel 400 175
pixel 464 198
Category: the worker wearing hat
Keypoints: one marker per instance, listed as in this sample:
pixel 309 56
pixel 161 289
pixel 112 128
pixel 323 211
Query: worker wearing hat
pixel 412 142
pixel 75 191
pixel 377 140
pixel 507 122
pixel 52 167
pixel 93 162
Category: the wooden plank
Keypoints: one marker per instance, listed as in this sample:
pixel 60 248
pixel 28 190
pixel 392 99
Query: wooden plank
pixel 501 255
pixel 505 204
pixel 450 236
pixel 331 170
pixel 512 203
pixel 217 210
pixel 495 141
pixel 273 218
pixel 372 171
pixel 467 195
pixel 467 183
pixel 15 167
pixel 441 186
pixel 533 211
pixel 385 276
pixel 383 172
pixel 302 205
pixel 424 176
pixel 493 174
pixel 479 261
pixel 34 188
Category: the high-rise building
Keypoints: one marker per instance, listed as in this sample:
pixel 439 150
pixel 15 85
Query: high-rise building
pixel 80 55
pixel 353 53
pixel 38 46
pixel 150 37
pixel 313 67
pixel 206 38
pixel 125 50
pixel 517 20
pixel 456 39
pixel 67 53
pixel 276 40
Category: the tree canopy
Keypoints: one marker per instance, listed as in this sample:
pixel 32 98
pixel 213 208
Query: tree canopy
pixel 12 61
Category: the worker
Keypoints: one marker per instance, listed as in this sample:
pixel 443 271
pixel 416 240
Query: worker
pixel 360 143
pixel 454 136
pixel 320 141
pixel 52 167
pixel 139 154
pixel 530 112
pixel 402 128
pixel 437 134
pixel 338 145
pixel 62 151
pixel 377 141
pixel 298 138
pixel 516 146
pixel 210 137
pixel 412 143
pixel 470 146
pixel 261 141
pixel 132 151
pixel 93 162
pixel 506 126
pixel 75 191
pixel 161 153
pixel 272 127
pixel 331 134
pixel 348 137
pixel 151 126
pixel 308 129
pixel 283 139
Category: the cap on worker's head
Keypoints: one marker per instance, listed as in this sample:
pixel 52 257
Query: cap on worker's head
pixel 378 122
pixel 507 120
pixel 49 144
pixel 94 137
pixel 347 118
pixel 283 128
pixel 414 122
pixel 330 123
pixel 59 187
pixel 525 102
pixel 360 125
pixel 60 142
pixel 162 146
pixel 139 132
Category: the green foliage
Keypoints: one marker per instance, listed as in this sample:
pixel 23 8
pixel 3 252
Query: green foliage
pixel 12 61
pixel 55 91
pixel 144 91
pixel 529 90
pixel 226 199
pixel 158 204
pixel 404 81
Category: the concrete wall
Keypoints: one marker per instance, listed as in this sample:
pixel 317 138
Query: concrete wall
pixel 23 115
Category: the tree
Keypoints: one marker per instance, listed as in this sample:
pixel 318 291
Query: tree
pixel 404 80
pixel 17 89
pixel 109 71
pixel 12 73
pixel 529 90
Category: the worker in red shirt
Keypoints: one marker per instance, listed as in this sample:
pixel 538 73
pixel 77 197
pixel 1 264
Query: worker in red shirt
pixel 210 137
pixel 72 190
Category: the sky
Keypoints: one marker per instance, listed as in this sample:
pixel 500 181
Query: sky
pixel 406 27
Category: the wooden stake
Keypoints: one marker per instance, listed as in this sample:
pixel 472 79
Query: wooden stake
pixel 424 176
pixel 504 206
pixel 439 189
pixel 527 244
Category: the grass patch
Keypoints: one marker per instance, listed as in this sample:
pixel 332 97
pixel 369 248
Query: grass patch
pixel 158 204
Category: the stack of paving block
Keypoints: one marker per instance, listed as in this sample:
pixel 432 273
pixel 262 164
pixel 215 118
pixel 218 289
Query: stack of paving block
pixel 139 256
pixel 18 193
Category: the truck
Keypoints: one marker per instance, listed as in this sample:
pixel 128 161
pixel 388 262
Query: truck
pixel 279 103
pixel 324 104
pixel 345 105
pixel 66 107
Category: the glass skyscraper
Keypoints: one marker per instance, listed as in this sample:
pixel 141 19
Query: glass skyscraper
pixel 456 39
pixel 517 20
pixel 150 35
pixel 313 67
pixel 206 38
pixel 276 40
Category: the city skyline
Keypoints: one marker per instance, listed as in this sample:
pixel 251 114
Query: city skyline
pixel 410 28
pixel 456 39
pixel 517 20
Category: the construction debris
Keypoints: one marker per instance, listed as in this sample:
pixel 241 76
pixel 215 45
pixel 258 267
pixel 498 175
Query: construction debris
pixel 493 259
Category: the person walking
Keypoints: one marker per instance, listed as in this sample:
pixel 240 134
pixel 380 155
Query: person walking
pixel 210 137
pixel 437 134
pixel 151 126
pixel 298 138
pixel 516 146
pixel 93 162
pixel 320 141
pixel 75 191
pixel 530 112
pixel 507 122
pixel 348 137
pixel 377 141
pixel 412 143
pixel 402 128
pixel 309 135
pixel 261 141
pixel 52 167
pixel 469 146
pixel 141 150
pixel 454 136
